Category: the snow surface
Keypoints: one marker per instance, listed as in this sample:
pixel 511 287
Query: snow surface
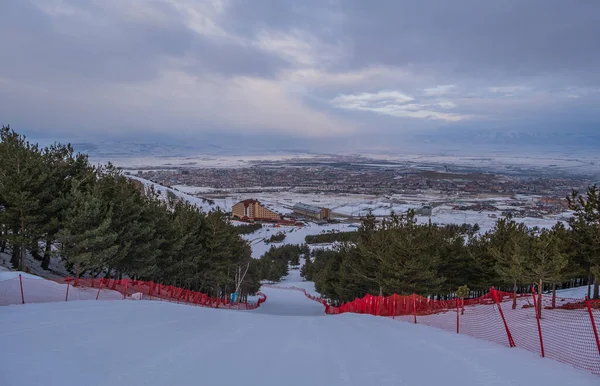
pixel 39 290
pixel 198 202
pixel 573 293
pixel 294 235
pixel 8 275
pixel 287 341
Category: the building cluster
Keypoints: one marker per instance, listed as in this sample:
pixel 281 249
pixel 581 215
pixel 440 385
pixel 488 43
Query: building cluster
pixel 312 212
pixel 359 179
pixel 254 210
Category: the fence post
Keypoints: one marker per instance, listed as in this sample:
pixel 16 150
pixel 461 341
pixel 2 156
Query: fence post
pixel 125 289
pixel 394 306
pixel 589 307
pixel 511 342
pixel 68 284
pixel 415 307
pixel 22 295
pixel 99 288
pixel 537 317
pixel 457 313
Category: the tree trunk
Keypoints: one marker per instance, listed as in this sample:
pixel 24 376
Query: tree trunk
pixel 514 305
pixel 35 252
pixel 2 246
pixel 22 265
pixel 540 289
pixel 14 259
pixel 596 289
pixel 47 253
pixel 589 292
pixel 553 295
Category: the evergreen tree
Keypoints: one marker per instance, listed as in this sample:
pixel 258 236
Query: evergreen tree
pixel 21 180
pixel 586 226
pixel 306 270
pixel 62 167
pixel 546 261
pixel 509 245
pixel 86 239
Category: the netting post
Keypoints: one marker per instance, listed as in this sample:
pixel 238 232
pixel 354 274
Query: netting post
pixel 537 317
pixel 457 317
pixel 125 289
pixel 21 284
pixel 68 285
pixel 589 308
pixel 99 288
pixel 511 342
pixel 415 307
pixel 394 307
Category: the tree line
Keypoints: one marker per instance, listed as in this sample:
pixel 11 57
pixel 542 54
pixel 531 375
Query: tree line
pixel 55 204
pixel 400 256
pixel 246 229
pixel 331 237
pixel 276 237
pixel 274 264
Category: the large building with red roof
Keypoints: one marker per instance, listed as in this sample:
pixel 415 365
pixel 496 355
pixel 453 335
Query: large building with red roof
pixel 253 210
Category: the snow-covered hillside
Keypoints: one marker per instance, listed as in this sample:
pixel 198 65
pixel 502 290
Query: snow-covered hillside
pixel 289 340
pixel 39 290
pixel 294 235
pixel 162 191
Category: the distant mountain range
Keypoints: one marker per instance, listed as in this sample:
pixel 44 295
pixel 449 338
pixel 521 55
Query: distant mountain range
pixel 135 149
pixel 517 139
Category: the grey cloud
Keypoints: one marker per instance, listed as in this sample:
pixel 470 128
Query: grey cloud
pixel 114 48
pixel 325 65
pixel 513 37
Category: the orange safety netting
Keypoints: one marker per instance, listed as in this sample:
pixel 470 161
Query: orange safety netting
pixel 22 289
pixel 565 331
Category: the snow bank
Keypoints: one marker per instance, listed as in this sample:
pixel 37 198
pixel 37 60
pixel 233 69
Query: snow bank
pixel 39 290
pixel 161 343
pixel 8 275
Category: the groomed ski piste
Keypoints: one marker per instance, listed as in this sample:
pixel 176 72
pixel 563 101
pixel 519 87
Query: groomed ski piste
pixel 287 341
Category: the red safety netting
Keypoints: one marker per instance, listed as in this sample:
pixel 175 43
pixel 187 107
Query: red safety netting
pixel 567 329
pixel 24 289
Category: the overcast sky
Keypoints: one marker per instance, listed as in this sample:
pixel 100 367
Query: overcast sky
pixel 361 73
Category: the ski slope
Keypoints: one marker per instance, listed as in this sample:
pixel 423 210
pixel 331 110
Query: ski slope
pixel 288 341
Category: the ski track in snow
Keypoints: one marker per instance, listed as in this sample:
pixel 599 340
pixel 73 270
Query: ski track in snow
pixel 288 340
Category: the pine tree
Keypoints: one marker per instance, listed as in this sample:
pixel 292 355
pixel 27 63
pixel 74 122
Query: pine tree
pixel 62 166
pixel 306 270
pixel 546 261
pixel 21 179
pixel 509 245
pixel 586 226
pixel 86 240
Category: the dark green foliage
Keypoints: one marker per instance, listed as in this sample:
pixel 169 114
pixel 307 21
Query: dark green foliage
pixel 277 237
pixel 307 271
pixel 103 225
pixel 332 237
pixel 22 181
pixel 586 236
pixel 245 229
pixel 399 256
pixel 274 264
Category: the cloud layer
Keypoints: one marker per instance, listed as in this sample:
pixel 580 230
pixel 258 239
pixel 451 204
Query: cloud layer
pixel 314 70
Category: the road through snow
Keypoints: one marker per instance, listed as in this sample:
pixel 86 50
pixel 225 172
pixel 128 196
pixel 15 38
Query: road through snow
pixel 288 341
